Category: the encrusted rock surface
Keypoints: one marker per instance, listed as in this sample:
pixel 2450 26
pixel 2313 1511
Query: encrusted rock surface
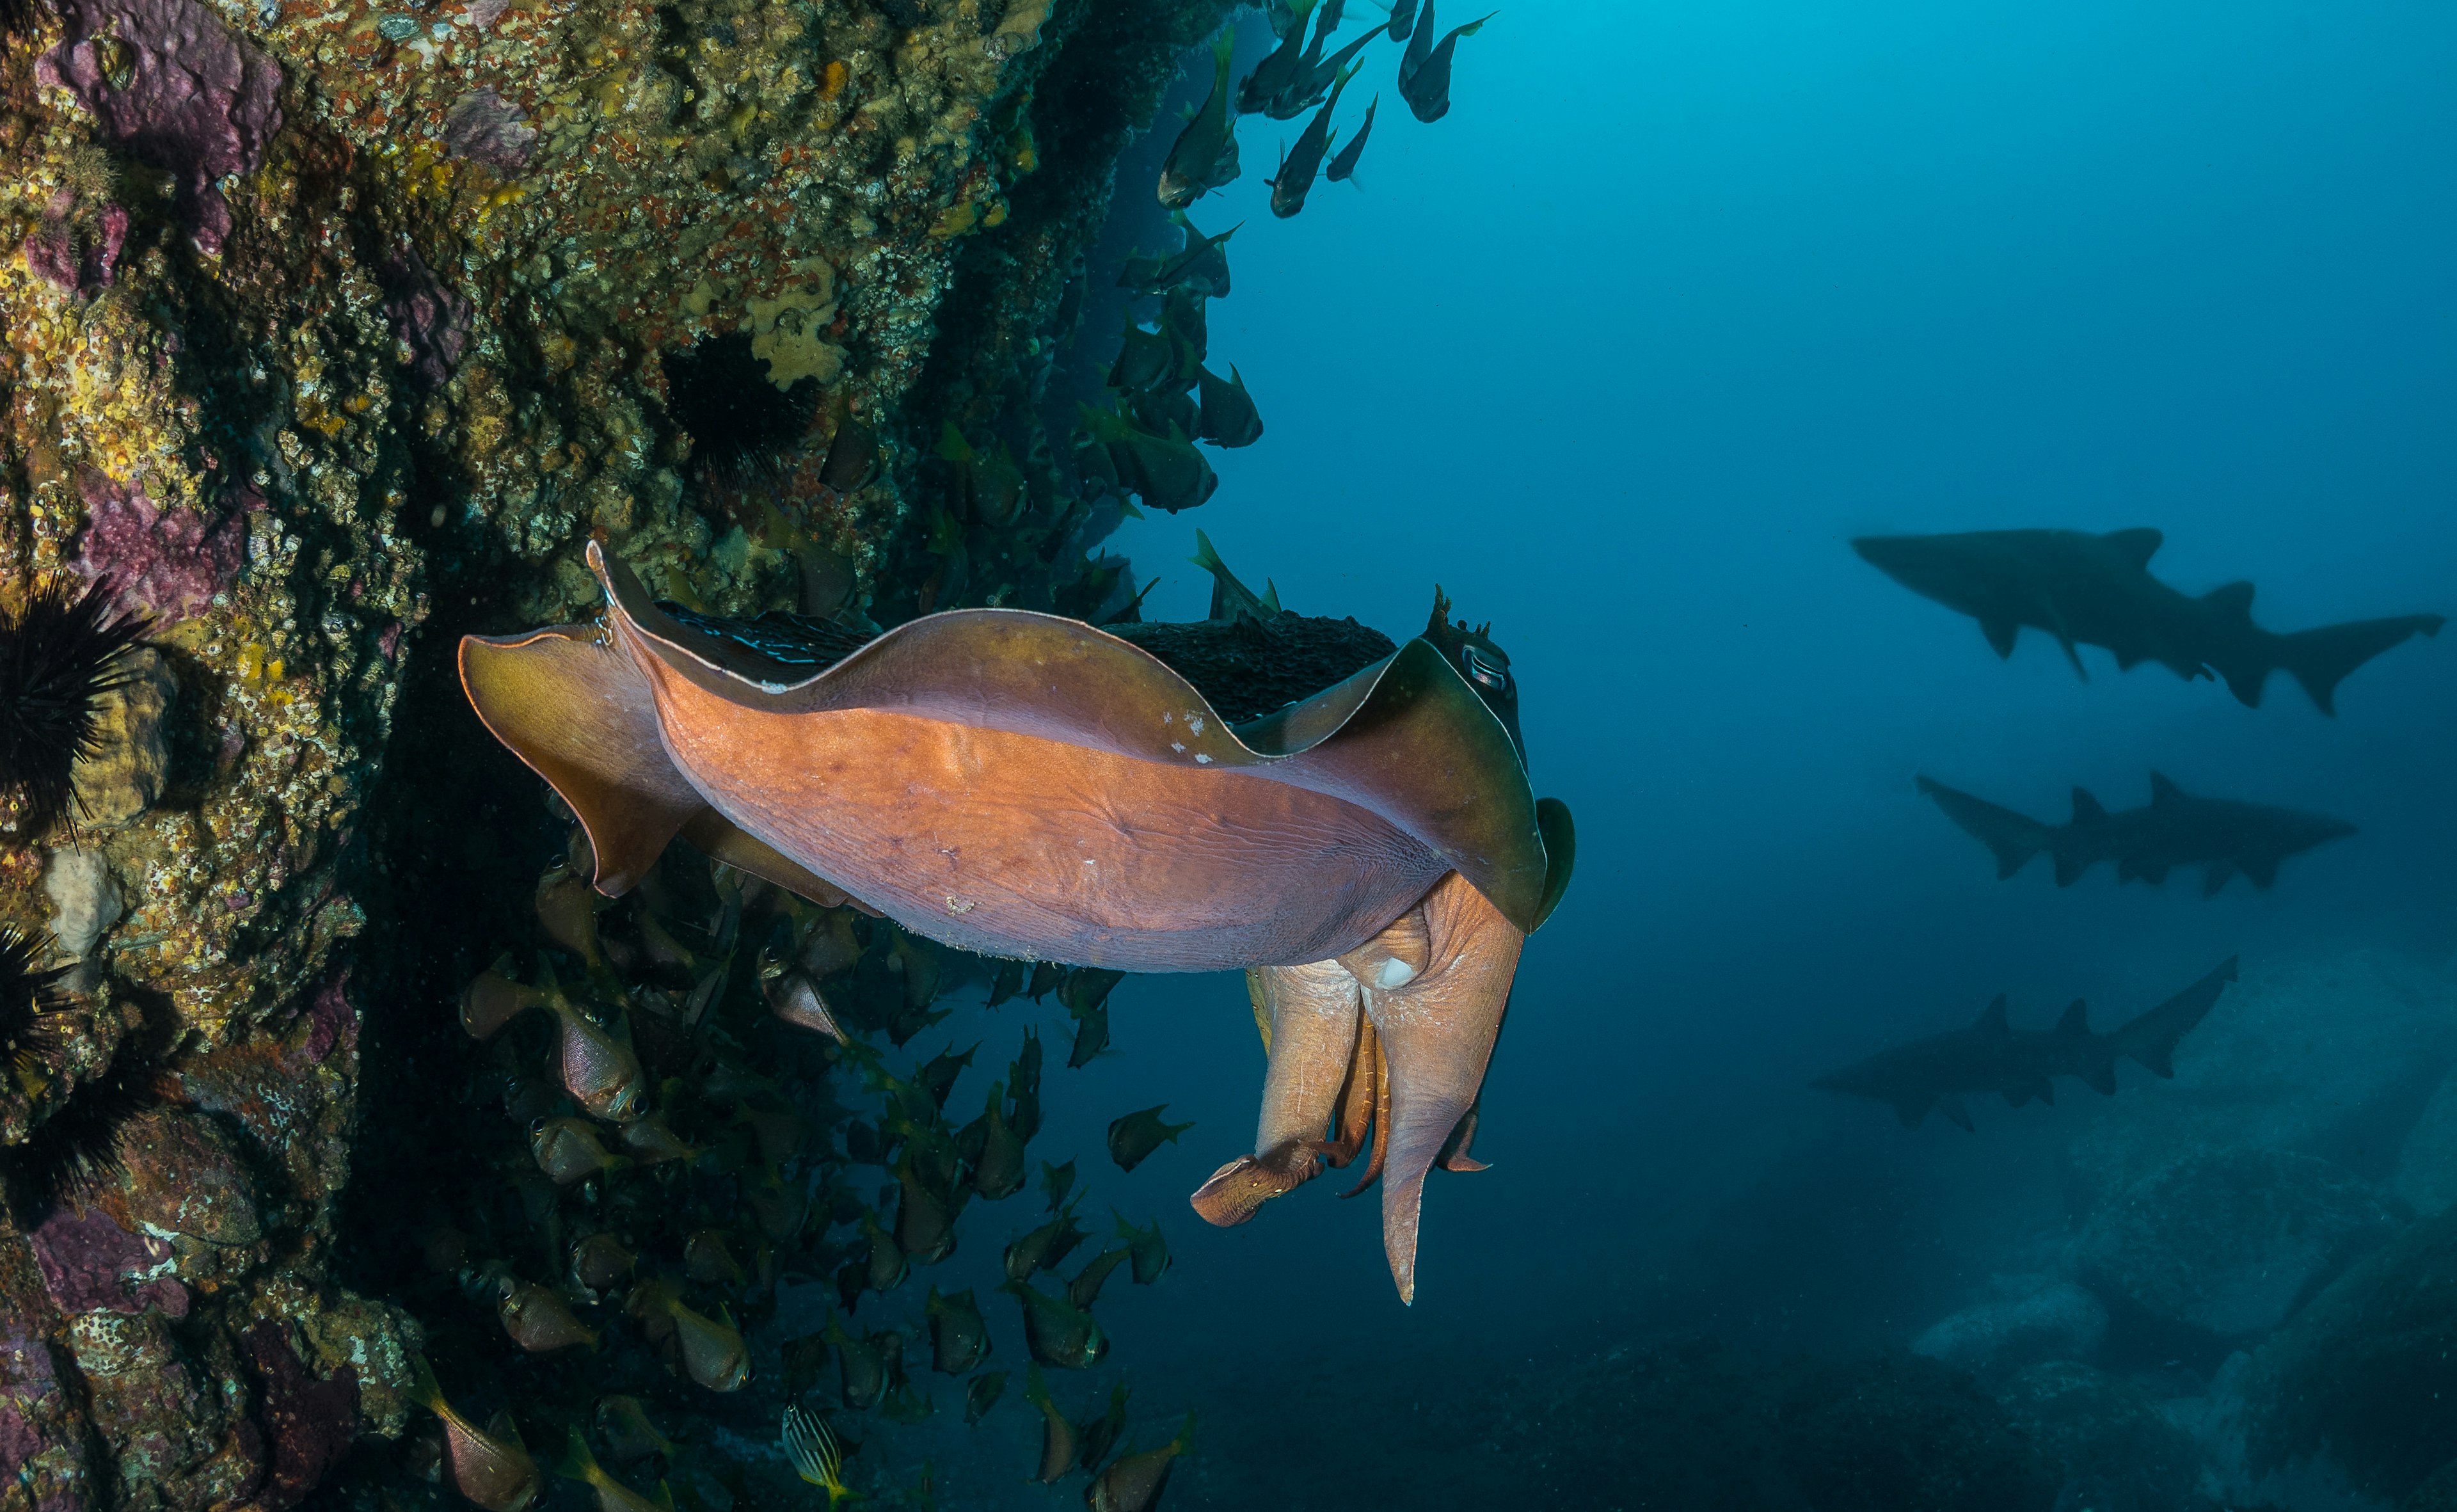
pixel 2229 1242
pixel 331 334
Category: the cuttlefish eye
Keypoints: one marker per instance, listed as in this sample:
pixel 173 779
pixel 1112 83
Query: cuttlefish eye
pixel 1483 670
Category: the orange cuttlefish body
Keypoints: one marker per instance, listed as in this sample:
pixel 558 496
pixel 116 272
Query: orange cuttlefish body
pixel 1024 785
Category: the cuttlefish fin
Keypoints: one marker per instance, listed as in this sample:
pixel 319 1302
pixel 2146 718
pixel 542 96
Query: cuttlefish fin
pixel 1312 1016
pixel 1437 1031
pixel 578 711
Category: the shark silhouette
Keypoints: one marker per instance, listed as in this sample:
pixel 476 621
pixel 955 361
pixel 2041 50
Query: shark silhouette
pixel 2176 829
pixel 2090 589
pixel 2019 1065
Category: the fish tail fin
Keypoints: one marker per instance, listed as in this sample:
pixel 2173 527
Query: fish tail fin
pixel 2321 659
pixel 425 1389
pixel 2152 1038
pixel 578 1464
pixel 2011 837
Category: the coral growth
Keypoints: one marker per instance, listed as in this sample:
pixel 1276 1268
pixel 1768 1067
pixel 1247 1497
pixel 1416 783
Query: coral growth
pixel 169 82
pixel 330 334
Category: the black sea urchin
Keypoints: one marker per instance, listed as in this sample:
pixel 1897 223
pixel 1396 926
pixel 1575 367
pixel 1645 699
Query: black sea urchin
pixel 58 658
pixel 78 1150
pixel 29 996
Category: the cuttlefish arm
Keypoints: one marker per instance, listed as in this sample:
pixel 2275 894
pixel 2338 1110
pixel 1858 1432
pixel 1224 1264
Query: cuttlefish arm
pixel 1431 989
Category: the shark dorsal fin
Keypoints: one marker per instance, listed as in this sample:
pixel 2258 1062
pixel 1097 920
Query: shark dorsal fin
pixel 2140 544
pixel 2163 791
pixel 2087 809
pixel 2230 598
pixel 2076 1023
pixel 1992 1021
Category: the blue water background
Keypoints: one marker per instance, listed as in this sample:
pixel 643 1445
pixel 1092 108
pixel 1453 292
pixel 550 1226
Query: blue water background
pixel 1676 300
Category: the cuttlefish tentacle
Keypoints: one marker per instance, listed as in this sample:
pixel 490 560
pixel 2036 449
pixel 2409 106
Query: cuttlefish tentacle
pixel 1311 1018
pixel 1433 985
pixel 1373 1103
pixel 1437 1031
pixel 1354 1119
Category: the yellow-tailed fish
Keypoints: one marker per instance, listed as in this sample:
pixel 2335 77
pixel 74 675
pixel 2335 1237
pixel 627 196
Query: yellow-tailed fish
pixel 540 1321
pixel 599 1067
pixel 1134 1482
pixel 1057 1445
pixel 612 1495
pixel 492 1469
pixel 628 1434
pixel 568 1149
pixel 711 1349
pixel 810 1444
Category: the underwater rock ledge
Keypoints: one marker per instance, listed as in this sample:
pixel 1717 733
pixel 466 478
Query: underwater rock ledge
pixel 344 353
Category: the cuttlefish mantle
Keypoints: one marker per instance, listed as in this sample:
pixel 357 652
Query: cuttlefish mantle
pixel 1024 785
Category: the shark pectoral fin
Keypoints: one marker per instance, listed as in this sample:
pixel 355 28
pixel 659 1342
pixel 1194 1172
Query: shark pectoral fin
pixel 1437 1032
pixel 2001 634
pixel 720 838
pixel 578 711
pixel 1951 1106
pixel 1313 1021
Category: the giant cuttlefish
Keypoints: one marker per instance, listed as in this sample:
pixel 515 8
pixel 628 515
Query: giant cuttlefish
pixel 1024 785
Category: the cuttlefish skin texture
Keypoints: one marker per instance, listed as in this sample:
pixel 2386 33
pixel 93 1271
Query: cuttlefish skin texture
pixel 1417 1010
pixel 1024 785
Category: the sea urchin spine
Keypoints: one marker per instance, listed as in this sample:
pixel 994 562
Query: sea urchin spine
pixel 30 1036
pixel 58 658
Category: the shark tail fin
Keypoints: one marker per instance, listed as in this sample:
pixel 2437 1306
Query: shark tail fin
pixel 2152 1038
pixel 2319 659
pixel 2013 839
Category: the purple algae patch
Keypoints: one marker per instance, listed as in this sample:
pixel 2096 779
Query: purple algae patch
pixel 483 127
pixel 89 1262
pixel 311 1421
pixel 171 562
pixel 171 83
pixel 428 319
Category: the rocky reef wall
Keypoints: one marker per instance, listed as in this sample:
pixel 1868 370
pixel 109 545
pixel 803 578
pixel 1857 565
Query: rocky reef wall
pixel 332 334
